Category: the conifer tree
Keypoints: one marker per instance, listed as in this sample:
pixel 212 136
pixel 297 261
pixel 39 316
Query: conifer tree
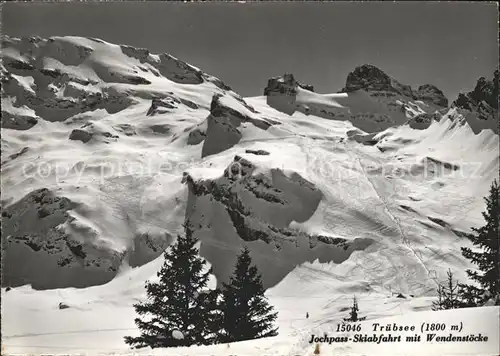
pixel 179 311
pixel 486 238
pixel 353 314
pixel 246 312
pixel 449 295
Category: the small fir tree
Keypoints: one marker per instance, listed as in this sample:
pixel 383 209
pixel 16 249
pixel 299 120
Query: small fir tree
pixel 246 313
pixel 353 314
pixel 449 295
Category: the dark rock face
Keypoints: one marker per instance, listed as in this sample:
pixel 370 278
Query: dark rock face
pixel 221 135
pixel 281 93
pixel 20 153
pixel 18 122
pixel 57 94
pixel 196 136
pixel 63 306
pixel 372 79
pixel 38 250
pixel 243 205
pixel 223 127
pixel 480 106
pixel 485 90
pixel 148 247
pixel 423 121
pixel 463 101
pixel 161 129
pixel 46 103
pixel 368 77
pixel 80 135
pixel 89 131
pixel 172 68
pixel 162 105
pixel 168 66
pixel 285 84
pixel 258 152
pixel 375 101
pixel 168 104
pixel 45 244
pixel 280 193
pixel 428 92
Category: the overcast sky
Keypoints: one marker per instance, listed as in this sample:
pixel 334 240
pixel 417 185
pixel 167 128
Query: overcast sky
pixel 447 44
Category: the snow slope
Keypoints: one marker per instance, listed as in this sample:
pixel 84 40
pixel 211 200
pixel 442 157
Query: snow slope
pixel 94 189
pixel 97 318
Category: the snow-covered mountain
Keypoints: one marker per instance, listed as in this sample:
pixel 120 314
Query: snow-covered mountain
pixel 371 100
pixel 107 150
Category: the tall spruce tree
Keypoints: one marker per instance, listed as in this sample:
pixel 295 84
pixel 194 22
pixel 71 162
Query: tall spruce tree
pixel 246 313
pixel 179 311
pixel 486 238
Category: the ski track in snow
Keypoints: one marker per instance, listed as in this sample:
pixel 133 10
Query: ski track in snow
pixel 396 220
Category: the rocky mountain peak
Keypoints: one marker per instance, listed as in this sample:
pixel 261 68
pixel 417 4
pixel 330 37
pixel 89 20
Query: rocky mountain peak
pixel 480 106
pixel 485 90
pixel 372 79
pixel 367 77
pixel 285 84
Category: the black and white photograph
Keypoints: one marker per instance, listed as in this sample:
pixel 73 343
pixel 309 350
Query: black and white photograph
pixel 250 178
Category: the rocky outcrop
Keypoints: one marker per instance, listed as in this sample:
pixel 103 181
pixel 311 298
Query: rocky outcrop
pixel 163 129
pixel 58 96
pixel 375 81
pixel 167 104
pixel 196 136
pixel 285 84
pixel 172 68
pixel 479 107
pixel 92 130
pixel 371 78
pixel 223 127
pixel 160 106
pixel 423 121
pixel 281 93
pixel 47 245
pixel 258 152
pixel 80 135
pixel 18 121
pixel 257 209
pixel 485 91
pixel 60 89
pixel 147 247
pixel 238 183
pixel 125 129
pixel 166 65
pixel 38 250
pixel 431 93
pixel 371 100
